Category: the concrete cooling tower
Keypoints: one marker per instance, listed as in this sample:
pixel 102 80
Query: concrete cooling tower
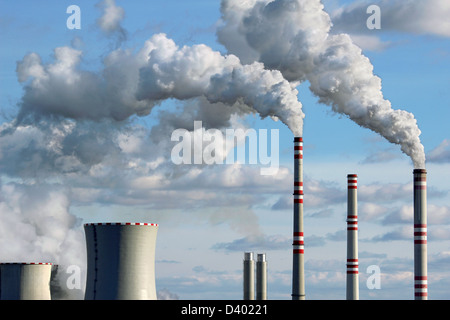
pixel 120 261
pixel 25 281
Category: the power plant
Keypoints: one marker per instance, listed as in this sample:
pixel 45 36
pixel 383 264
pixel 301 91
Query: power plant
pixel 121 256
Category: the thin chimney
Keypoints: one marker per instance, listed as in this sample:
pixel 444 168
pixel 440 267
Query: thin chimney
pixel 420 235
pixel 298 273
pixel 249 276
pixel 352 238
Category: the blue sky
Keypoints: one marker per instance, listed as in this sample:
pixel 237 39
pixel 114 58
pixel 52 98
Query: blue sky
pixel 222 211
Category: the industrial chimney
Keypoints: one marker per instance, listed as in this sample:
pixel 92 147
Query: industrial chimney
pixel 261 277
pixel 352 238
pixel 25 281
pixel 420 235
pixel 120 261
pixel 249 276
pixel 298 274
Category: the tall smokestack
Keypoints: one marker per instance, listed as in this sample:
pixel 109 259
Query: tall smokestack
pixel 249 276
pixel 261 277
pixel 25 281
pixel 298 273
pixel 420 235
pixel 120 261
pixel 352 238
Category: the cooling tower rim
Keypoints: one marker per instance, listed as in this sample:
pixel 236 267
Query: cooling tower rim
pixel 27 263
pixel 121 224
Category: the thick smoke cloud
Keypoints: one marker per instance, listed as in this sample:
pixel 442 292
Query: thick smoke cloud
pixel 293 36
pixel 132 84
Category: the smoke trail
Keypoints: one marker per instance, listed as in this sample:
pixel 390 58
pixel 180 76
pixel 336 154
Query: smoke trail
pixel 293 36
pixel 134 83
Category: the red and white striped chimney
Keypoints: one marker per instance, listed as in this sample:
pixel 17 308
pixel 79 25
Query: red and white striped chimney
pixel 420 235
pixel 352 238
pixel 298 274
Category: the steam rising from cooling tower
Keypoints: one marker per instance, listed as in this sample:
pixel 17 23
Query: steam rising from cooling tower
pixel 293 36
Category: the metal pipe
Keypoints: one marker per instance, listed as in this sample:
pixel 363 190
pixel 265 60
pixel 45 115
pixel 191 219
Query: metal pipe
pixel 261 277
pixel 249 276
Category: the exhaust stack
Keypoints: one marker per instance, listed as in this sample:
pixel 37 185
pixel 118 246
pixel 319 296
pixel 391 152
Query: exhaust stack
pixel 249 276
pixel 25 281
pixel 298 273
pixel 352 238
pixel 420 235
pixel 261 277
pixel 120 261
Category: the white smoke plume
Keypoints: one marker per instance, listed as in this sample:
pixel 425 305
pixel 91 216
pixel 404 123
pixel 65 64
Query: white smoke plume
pixel 134 83
pixel 293 36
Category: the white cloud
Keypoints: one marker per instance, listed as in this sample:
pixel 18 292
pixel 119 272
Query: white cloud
pixel 418 17
pixel 440 154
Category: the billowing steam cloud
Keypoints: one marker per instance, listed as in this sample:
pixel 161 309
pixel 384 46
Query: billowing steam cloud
pixel 134 83
pixel 293 36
